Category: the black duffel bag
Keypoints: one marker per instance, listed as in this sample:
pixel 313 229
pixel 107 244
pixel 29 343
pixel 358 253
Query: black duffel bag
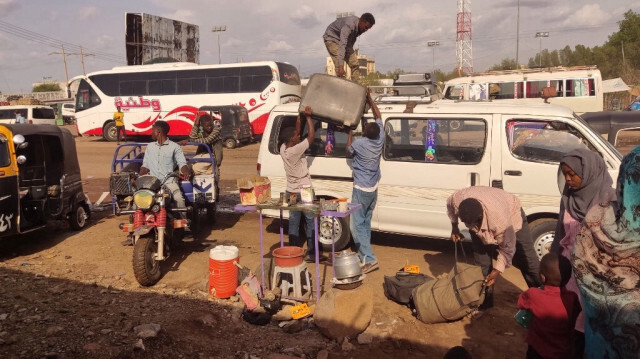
pixel 399 287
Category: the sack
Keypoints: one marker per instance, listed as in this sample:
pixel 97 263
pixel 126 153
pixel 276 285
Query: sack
pixel 400 287
pixel 450 298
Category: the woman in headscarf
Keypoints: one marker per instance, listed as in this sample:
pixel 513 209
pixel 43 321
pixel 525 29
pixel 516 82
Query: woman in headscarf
pixel 587 183
pixel 606 264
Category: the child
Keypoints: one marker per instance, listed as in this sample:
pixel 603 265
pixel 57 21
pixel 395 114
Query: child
pixel 295 166
pixel 554 310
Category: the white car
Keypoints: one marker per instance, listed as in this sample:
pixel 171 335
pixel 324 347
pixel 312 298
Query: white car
pixel 68 112
pixel 35 114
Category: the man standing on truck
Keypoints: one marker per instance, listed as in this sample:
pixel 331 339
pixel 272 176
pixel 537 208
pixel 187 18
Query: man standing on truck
pixel 499 234
pixel 339 39
pixel 366 153
pixel 118 118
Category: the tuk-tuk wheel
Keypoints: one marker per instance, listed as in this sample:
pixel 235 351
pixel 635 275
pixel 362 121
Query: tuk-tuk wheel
pixel 230 143
pixel 79 216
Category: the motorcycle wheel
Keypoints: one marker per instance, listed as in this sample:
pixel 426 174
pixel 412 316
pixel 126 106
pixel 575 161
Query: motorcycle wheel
pixel 146 268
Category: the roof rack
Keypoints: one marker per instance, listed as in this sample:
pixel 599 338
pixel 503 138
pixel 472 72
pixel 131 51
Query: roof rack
pixel 533 70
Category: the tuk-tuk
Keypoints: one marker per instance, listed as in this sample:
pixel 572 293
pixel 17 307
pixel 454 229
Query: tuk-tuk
pixel 236 127
pixel 609 124
pixel 39 179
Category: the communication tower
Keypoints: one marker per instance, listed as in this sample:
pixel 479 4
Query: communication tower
pixel 464 53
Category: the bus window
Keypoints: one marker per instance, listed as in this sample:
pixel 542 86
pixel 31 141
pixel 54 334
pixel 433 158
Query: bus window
pixel 288 74
pixel 580 87
pixel 454 92
pixel 86 97
pixel 506 90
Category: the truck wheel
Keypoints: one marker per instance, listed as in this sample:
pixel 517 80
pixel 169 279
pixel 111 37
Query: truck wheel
pixel 338 231
pixel 230 143
pixel 542 232
pixel 110 132
pixel 146 268
pixel 79 216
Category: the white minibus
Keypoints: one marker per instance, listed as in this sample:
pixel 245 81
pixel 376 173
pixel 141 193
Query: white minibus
pixel 35 114
pixel 173 92
pixel 516 147
pixel 578 88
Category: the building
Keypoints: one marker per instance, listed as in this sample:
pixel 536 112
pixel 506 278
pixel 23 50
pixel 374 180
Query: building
pixel 367 66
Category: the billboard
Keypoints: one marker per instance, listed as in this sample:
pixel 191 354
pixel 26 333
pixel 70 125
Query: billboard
pixel 152 39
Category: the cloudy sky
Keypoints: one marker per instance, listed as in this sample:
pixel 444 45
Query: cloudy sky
pixel 291 31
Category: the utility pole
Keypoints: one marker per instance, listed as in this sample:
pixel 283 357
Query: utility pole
pixel 218 30
pixel 82 56
pixel 518 38
pixel 432 45
pixel 66 74
pixel 541 35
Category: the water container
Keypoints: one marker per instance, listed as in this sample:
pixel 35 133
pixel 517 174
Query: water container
pixel 223 273
pixel 335 100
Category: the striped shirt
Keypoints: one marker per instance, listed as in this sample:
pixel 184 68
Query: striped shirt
pixel 501 219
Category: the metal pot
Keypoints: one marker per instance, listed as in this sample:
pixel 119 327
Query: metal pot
pixel 347 265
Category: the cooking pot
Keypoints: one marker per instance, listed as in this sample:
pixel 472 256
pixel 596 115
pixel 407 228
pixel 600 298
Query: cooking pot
pixel 347 265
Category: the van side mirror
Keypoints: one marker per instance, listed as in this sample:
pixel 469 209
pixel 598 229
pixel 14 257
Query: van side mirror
pixel 21 159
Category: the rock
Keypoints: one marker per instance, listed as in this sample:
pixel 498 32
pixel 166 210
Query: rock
pixel 51 355
pixel 293 326
pixel 344 313
pixel 91 347
pixel 4 316
pixel 365 338
pixel 59 289
pixel 52 331
pixel 346 346
pixel 323 354
pixel 284 313
pixel 88 334
pixel 145 331
pixel 280 356
pixel 106 331
pixel 139 346
pixel 208 320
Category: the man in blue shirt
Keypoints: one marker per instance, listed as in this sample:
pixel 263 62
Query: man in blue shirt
pixel 339 39
pixel 366 153
pixel 19 117
pixel 162 157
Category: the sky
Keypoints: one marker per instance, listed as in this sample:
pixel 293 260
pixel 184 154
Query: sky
pixel 291 31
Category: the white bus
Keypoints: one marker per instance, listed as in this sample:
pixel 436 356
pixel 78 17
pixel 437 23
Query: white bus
pixel 173 92
pixel 578 88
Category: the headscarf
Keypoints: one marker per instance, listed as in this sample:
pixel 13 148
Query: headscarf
pixel 606 263
pixel 596 182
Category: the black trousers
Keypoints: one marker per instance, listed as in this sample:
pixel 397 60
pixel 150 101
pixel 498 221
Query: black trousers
pixel 525 257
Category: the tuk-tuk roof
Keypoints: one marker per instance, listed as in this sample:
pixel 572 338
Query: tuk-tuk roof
pixel 66 139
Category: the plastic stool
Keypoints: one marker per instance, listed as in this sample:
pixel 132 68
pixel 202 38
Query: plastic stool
pixel 292 278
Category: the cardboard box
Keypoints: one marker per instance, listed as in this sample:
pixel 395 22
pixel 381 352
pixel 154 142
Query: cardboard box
pixel 254 190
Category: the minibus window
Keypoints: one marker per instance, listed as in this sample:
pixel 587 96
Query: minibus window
pixel 435 140
pixel 546 141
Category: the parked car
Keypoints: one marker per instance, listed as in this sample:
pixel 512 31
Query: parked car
pixel 35 114
pixel 68 112
pixel 236 128
pixel 610 124
pixel 516 147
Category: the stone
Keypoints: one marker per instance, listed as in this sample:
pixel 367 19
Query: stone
pixel 139 346
pixel 323 354
pixel 145 331
pixel 365 338
pixel 52 331
pixel 344 313
pixel 106 331
pixel 91 347
pixel 51 355
pixel 4 316
pixel 59 289
pixel 283 314
pixel 280 356
pixel 208 320
pixel 88 334
pixel 346 346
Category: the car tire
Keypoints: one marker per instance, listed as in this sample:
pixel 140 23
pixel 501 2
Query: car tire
pixel 79 216
pixel 341 234
pixel 542 233
pixel 230 143
pixel 110 132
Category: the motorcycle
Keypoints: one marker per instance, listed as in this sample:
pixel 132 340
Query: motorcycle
pixel 154 227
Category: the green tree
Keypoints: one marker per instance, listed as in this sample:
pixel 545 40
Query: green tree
pixel 505 64
pixel 47 87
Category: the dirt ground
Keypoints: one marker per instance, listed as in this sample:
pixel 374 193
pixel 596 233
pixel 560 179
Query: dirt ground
pixel 66 294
